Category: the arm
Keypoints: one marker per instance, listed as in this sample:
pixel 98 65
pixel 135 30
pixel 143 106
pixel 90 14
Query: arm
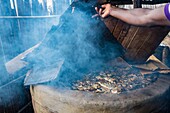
pixel 139 16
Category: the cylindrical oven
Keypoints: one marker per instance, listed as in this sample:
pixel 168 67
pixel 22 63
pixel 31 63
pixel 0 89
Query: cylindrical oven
pixel 154 98
pixel 75 93
pixel 49 98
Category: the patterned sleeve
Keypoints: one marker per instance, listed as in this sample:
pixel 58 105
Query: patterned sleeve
pixel 167 11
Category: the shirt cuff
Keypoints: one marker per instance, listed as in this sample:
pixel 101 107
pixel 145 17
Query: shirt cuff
pixel 167 11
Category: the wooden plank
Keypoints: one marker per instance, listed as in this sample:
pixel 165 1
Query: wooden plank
pixel 157 33
pixel 110 23
pixel 140 42
pixel 117 29
pixel 130 36
pixel 137 42
pixel 144 42
pixel 123 32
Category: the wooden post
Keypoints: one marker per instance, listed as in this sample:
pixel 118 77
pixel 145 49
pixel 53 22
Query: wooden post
pixel 137 3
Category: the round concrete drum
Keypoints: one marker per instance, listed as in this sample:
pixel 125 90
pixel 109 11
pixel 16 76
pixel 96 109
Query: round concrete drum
pixel 151 99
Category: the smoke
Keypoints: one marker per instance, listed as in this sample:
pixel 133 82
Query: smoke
pixel 3 73
pixel 18 34
pixel 84 42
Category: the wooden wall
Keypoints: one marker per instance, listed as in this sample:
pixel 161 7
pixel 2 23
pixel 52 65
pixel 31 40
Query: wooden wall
pixel 24 23
pixel 21 27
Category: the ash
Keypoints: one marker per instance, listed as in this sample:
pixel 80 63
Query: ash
pixel 115 81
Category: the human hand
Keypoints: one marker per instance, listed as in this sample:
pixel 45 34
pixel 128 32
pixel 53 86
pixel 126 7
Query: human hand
pixel 105 10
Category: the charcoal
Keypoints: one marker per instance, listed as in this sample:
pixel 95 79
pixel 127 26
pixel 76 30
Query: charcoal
pixel 99 82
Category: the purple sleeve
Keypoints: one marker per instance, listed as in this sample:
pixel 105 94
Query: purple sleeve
pixel 167 11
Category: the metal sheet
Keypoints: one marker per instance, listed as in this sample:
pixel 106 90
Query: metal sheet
pixel 43 74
